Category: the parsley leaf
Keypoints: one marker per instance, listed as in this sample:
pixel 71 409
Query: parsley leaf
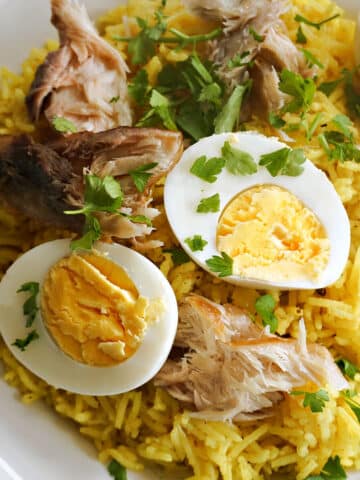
pixel 329 87
pixel 91 233
pixel 207 169
pixel 314 400
pixel 332 470
pixel 161 108
pixel 347 368
pixel 238 162
pixel 311 59
pixel 30 307
pixel 178 256
pixel 117 471
pixel 301 89
pixel 63 125
pixel 210 204
pixel 114 99
pixel 256 36
pixel 342 122
pixel 339 144
pixel 352 97
pixel 301 19
pixel 300 36
pixel 265 306
pixel 355 407
pixel 22 344
pixel 239 60
pixel 229 115
pixel 196 243
pixel 276 121
pixel 223 265
pixel 141 175
pixel 284 162
pixel 139 87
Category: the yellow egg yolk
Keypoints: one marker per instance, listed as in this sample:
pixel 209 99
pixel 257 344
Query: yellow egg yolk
pixel 93 310
pixel 271 235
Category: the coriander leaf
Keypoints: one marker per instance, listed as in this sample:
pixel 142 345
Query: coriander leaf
pixel 238 162
pixel 347 368
pixel 191 120
pixel 342 122
pixel 265 306
pixel 200 68
pixel 139 87
pixel 23 343
pixel 314 400
pixel 141 175
pixel 301 19
pixel 196 243
pixel 92 232
pixel 300 36
pixel 256 36
pixel 223 265
pixel 338 147
pixel 141 48
pixel 161 106
pixel 229 115
pixel 301 89
pixel 211 93
pixel 355 407
pixel 207 169
pixel 284 162
pixel 210 204
pixel 352 97
pixel 311 59
pixel 238 60
pixel 310 130
pixel 276 121
pixel 63 125
pixel 30 307
pixel 101 195
pixel 138 219
pixel 333 469
pixel 117 471
pixel 114 99
pixel 178 256
pixel 329 87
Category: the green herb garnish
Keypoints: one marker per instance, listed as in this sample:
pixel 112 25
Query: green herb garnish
pixel 207 169
pixel 237 161
pixel 63 125
pixel 223 265
pixel 139 87
pixel 347 368
pixel 239 60
pixel 276 121
pixel 114 99
pixel 301 89
pixel 30 307
pixel 210 204
pixel 315 400
pixel 117 471
pixel 284 162
pixel 317 25
pixel 256 36
pixel 332 470
pixel 178 256
pixel 229 115
pixel 265 306
pixel 22 344
pixel 310 58
pixel 141 175
pixel 300 36
pixel 196 243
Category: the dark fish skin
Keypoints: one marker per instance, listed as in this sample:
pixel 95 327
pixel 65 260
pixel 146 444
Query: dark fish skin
pixel 42 180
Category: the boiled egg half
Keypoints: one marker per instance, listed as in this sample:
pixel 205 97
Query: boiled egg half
pixel 251 228
pixel 106 319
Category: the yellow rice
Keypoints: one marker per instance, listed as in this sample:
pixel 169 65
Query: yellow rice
pixel 147 425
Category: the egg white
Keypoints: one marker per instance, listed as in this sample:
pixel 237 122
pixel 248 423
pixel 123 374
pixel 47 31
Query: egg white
pixel 183 192
pixel 44 358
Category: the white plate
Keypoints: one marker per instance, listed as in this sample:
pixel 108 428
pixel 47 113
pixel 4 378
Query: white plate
pixel 35 444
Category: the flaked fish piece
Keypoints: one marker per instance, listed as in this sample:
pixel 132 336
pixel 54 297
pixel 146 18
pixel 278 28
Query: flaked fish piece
pixel 43 180
pixel 85 80
pixel 231 369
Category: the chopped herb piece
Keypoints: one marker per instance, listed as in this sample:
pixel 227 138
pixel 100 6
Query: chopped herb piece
pixel 310 130
pixel 114 99
pixel 92 233
pixel 284 162
pixel 23 343
pixel 329 87
pixel 30 307
pixel 63 125
pixel 185 40
pixel 207 169
pixel 139 219
pixel 117 471
pixel 347 368
pixel 342 122
pixel 355 407
pixel 139 87
pixel 192 120
pixel 238 162
pixel 314 400
pixel 196 243
pixel 265 306
pixel 211 93
pixel 141 175
pixel 301 89
pixel 228 117
pixel 337 145
pixel 161 106
pixel 352 97
pixel 238 60
pixel 256 36
pixel 332 470
pixel 300 36
pixel 178 256
pixel 276 121
pixel 301 19
pixel 311 59
pixel 210 204
pixel 223 265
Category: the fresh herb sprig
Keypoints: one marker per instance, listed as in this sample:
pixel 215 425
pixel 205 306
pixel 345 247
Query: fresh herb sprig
pixel 117 471
pixel 339 144
pixel 63 125
pixel 209 204
pixel 178 256
pixel 223 265
pixel 315 400
pixel 284 162
pixel 317 25
pixel 265 306
pixel 23 343
pixel 141 175
pixel 348 368
pixel 332 470
pixel 196 243
pixel 30 307
pixel 355 406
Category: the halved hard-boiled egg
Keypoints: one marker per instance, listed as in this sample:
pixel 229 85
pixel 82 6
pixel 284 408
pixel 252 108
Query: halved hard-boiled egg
pixel 239 220
pixel 105 320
